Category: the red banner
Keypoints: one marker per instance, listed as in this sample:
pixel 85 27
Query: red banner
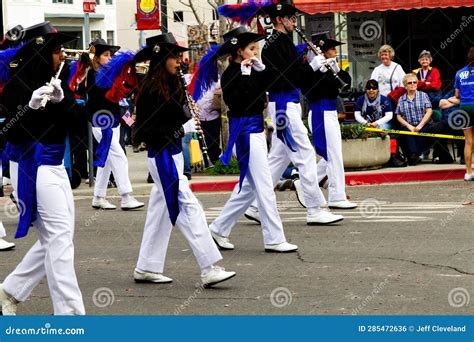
pixel 89 6
pixel 148 15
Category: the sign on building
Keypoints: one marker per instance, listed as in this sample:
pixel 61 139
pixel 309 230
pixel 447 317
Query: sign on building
pixel 148 15
pixel 89 6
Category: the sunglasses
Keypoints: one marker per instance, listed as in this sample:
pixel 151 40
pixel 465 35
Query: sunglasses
pixel 412 82
pixel 372 88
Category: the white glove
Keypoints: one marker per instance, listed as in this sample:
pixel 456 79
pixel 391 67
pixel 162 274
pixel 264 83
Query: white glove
pixel 334 65
pixel 246 69
pixel 38 96
pixel 317 62
pixel 58 93
pixel 257 65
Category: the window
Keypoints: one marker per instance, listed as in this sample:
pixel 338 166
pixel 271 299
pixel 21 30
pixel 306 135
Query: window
pixel 178 16
pixel 108 2
pixel 97 2
pixel 110 37
pixel 214 15
pixel 95 35
pixel 62 1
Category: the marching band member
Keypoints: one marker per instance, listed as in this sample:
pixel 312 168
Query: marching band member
pixel 160 116
pixel 40 110
pixel 322 90
pixel 291 141
pixel 244 84
pixel 106 129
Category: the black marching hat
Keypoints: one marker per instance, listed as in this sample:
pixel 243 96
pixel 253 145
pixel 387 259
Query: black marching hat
pixel 280 8
pixel 159 47
pixel 42 39
pixel 324 41
pixel 99 46
pixel 237 38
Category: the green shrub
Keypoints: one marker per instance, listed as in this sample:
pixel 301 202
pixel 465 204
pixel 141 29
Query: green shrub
pixel 357 131
pixel 221 169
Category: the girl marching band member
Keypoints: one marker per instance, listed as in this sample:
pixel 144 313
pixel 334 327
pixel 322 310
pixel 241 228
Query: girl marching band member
pixel 244 85
pixel 105 114
pixel 39 120
pixel 291 141
pixel 160 119
pixel 322 90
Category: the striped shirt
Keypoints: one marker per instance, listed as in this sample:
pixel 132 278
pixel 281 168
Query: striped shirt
pixel 414 110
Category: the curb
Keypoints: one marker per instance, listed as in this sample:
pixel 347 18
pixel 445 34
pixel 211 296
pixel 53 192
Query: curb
pixel 354 179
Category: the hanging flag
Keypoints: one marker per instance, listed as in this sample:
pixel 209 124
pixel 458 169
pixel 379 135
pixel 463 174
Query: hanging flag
pixel 148 15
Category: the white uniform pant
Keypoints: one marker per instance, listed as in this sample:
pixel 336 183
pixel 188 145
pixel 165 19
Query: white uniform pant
pixel 191 221
pixel 53 254
pixel 333 168
pixel 257 183
pixel 116 163
pixel 304 158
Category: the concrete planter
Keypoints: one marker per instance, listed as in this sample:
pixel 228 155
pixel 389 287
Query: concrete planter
pixel 369 153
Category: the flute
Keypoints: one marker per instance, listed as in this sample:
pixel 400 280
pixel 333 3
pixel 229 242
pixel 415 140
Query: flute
pixel 55 77
pixel 316 52
pixel 189 104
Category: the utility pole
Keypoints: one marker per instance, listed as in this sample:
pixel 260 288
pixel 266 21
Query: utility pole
pixel 164 16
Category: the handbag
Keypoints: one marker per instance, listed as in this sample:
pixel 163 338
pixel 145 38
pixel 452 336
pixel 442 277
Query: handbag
pixel 195 154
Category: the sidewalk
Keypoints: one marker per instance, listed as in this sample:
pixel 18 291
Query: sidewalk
pixel 203 183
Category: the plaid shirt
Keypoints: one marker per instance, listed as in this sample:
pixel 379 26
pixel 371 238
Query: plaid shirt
pixel 414 110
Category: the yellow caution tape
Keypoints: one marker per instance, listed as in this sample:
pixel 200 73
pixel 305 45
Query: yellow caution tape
pixel 430 135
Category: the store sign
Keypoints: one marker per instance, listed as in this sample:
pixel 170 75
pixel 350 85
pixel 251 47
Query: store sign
pixel 148 15
pixel 89 6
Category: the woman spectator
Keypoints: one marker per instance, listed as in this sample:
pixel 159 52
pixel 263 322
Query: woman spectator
pixel 373 108
pixel 464 90
pixel 389 74
pixel 429 79
pixel 414 114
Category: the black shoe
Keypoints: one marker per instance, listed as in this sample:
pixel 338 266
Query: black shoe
pixel 135 149
pixel 397 161
pixel 188 175
pixel 414 160
pixel 284 184
pixel 447 159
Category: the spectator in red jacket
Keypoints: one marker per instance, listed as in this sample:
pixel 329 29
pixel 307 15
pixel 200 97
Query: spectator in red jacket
pixel 429 79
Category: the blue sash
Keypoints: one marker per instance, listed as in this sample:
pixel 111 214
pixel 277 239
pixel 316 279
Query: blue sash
pixel 282 122
pixel 240 130
pixel 169 176
pixel 33 155
pixel 317 124
pixel 103 147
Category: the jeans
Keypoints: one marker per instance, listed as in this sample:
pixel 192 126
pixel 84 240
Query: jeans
pixel 416 145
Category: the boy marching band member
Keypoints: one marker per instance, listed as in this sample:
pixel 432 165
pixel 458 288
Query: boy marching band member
pixel 37 139
pixel 322 89
pixel 244 84
pixel 160 119
pixel 105 115
pixel 291 141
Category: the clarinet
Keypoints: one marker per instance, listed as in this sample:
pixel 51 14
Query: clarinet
pixel 313 48
pixel 189 103
pixel 44 102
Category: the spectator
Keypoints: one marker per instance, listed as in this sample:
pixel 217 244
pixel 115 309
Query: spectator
pixel 464 91
pixel 414 114
pixel 389 74
pixel 429 79
pixel 373 108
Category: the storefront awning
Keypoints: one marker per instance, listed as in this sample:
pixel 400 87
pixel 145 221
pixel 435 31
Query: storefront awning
pixel 328 6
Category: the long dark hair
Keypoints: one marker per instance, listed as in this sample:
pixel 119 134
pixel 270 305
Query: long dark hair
pixel 159 82
pixel 470 60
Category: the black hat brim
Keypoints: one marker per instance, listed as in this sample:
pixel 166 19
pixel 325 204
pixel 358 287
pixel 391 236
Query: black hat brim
pixel 148 52
pixel 51 41
pixel 330 43
pixel 243 40
pixel 101 48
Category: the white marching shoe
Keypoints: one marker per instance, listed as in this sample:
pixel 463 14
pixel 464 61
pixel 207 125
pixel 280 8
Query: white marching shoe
pixel 102 203
pixel 150 277
pixel 215 276
pixel 322 217
pixel 9 304
pixel 283 247
pixel 5 245
pixel 252 214
pixel 222 242
pixel 299 192
pixel 342 205
pixel 131 204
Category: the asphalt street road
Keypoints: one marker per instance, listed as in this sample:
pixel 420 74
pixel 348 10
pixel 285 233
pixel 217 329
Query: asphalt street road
pixel 408 249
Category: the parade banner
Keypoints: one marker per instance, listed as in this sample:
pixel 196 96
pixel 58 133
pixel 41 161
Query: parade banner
pixel 148 15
